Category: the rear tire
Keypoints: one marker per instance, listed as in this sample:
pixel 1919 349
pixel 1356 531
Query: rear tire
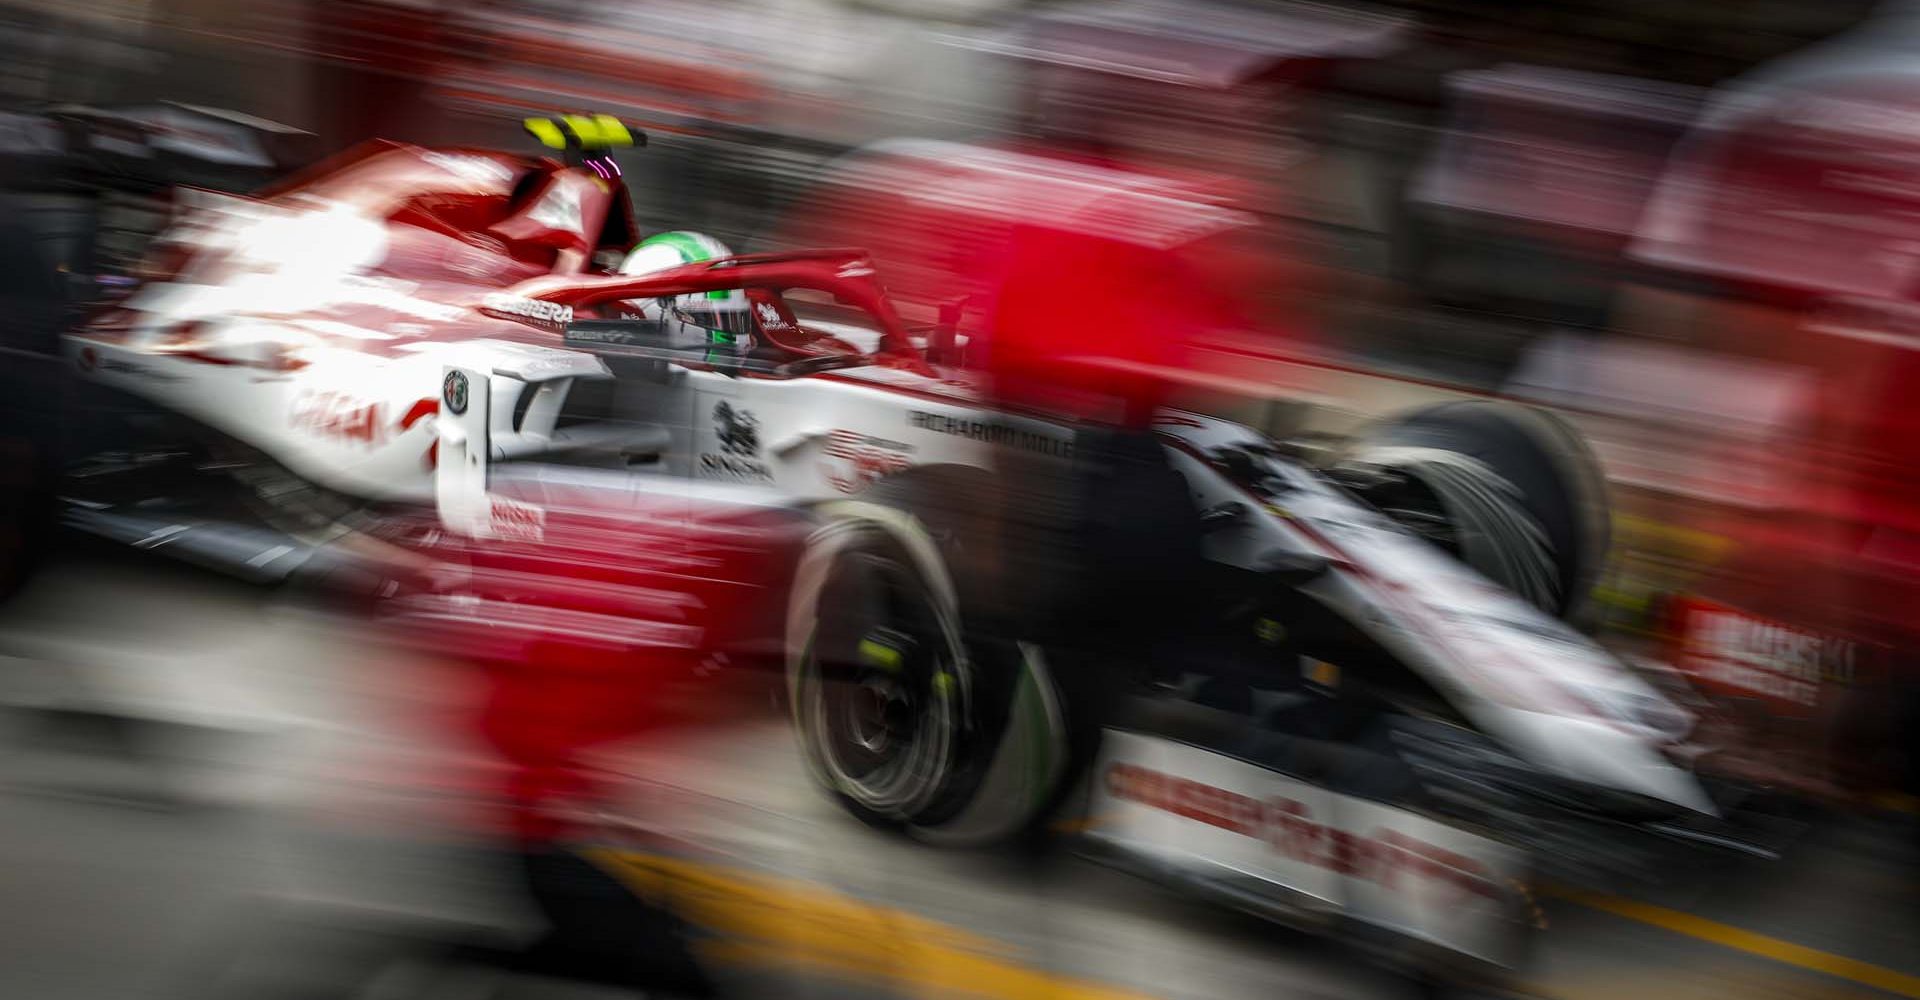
pixel 1522 497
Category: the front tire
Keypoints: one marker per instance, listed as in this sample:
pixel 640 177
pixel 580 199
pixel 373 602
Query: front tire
pixel 876 671
pixel 908 709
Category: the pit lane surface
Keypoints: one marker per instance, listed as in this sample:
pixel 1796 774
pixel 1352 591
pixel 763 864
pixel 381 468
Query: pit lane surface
pixel 278 818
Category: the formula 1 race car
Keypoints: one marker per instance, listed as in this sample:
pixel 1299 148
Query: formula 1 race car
pixel 1390 728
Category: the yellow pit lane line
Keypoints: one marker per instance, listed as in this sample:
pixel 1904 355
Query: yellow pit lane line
pixel 1728 936
pixel 767 920
pixel 780 922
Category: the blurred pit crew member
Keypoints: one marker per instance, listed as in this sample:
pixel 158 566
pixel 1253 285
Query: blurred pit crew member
pixel 671 581
pixel 542 716
pixel 1096 298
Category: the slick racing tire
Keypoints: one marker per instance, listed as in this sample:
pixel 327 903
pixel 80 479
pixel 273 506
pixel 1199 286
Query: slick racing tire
pixel 1511 490
pixel 909 710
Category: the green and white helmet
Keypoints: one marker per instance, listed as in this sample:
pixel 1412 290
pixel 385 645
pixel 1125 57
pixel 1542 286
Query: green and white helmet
pixel 719 317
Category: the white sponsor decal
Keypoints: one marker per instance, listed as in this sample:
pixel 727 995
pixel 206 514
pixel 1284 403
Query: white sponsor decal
pixel 538 310
pixel 1289 828
pixel 855 461
pixel 1217 816
pixel 516 521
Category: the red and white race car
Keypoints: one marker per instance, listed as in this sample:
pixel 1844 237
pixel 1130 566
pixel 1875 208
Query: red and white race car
pixel 483 341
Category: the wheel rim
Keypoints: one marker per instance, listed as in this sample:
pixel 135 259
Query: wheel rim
pixel 880 716
pixel 877 706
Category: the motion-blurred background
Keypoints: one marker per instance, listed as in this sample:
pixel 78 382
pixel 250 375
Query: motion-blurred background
pixel 1692 229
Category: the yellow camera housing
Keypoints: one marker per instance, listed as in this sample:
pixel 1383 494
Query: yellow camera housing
pixel 583 132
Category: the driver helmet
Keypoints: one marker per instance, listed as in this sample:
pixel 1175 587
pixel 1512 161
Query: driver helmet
pixel 721 317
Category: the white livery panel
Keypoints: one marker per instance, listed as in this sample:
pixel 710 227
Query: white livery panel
pixel 1257 834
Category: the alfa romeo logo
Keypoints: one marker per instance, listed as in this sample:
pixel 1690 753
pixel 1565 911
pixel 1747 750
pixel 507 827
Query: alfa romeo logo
pixel 454 391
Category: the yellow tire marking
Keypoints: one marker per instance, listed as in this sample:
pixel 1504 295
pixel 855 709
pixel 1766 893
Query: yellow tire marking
pixel 880 655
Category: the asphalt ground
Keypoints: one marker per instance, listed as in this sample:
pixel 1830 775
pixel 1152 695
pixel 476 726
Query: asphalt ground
pixel 210 790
